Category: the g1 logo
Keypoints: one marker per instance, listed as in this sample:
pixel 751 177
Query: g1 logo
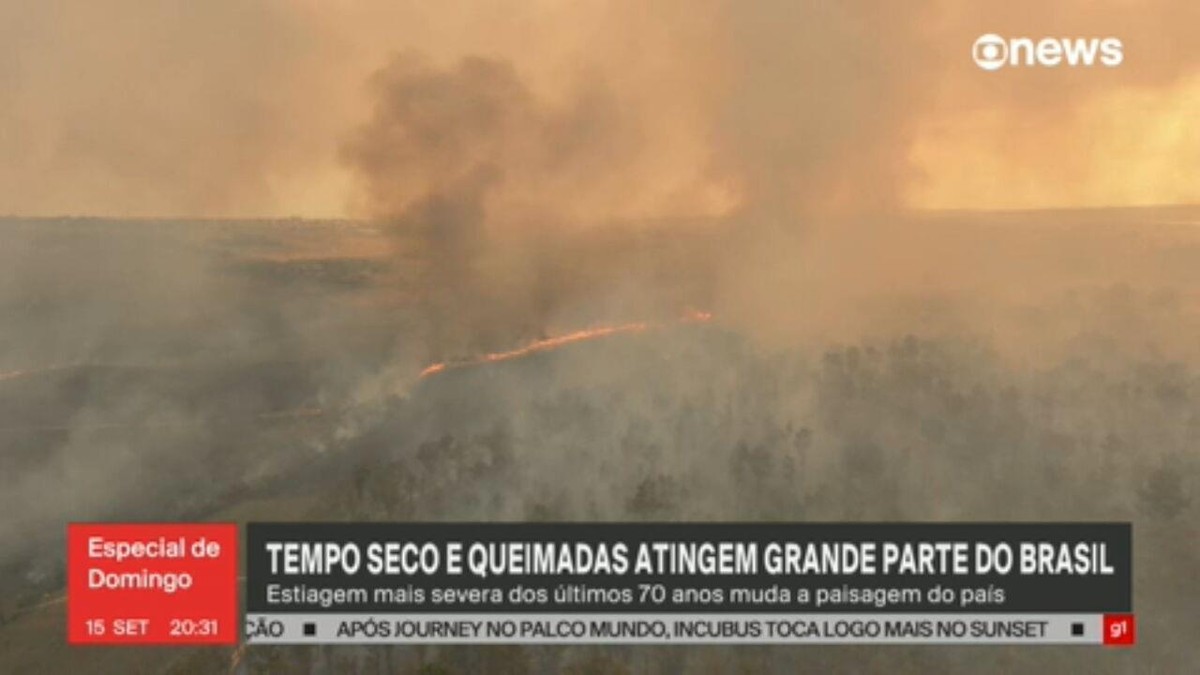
pixel 1119 629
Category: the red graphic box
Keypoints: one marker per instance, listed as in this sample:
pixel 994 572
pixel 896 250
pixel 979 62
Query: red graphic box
pixel 152 583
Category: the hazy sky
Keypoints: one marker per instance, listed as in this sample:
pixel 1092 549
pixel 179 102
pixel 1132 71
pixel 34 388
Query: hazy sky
pixel 610 109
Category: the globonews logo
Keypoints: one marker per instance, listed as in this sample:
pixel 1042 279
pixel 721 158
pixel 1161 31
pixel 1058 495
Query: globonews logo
pixel 992 52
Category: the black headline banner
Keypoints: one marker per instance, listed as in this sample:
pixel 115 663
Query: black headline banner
pixel 689 567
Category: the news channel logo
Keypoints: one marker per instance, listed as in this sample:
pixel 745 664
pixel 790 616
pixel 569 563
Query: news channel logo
pixel 992 52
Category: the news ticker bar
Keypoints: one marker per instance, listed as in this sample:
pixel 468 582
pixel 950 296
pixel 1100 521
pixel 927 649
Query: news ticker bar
pixel 690 629
pixel 177 583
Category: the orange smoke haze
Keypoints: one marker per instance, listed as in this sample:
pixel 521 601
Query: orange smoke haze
pixel 663 110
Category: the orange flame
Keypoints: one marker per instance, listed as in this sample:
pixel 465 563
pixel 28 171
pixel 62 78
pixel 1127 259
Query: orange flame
pixel 433 369
pixel 27 372
pixel 555 342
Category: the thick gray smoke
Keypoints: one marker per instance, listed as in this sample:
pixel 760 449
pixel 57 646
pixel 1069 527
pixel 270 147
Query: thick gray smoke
pixel 480 184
